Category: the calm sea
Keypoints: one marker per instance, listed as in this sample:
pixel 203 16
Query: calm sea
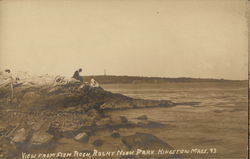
pixel 210 115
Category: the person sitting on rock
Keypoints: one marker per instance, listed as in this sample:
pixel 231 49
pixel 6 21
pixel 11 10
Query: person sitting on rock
pixel 77 75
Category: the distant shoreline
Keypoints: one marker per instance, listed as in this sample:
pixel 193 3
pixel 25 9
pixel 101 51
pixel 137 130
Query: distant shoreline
pixel 124 79
pixel 112 79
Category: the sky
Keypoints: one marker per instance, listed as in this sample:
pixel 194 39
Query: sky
pixel 163 38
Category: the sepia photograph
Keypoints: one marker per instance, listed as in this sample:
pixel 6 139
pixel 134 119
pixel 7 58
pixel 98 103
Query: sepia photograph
pixel 124 79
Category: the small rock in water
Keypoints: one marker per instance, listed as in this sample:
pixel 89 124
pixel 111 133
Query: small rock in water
pixel 81 136
pixel 115 134
pixel 39 139
pixel 98 143
pixel 123 119
pixel 142 117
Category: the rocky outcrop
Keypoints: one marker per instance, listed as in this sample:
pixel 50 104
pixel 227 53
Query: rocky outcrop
pixel 119 101
pixel 42 114
pixel 71 93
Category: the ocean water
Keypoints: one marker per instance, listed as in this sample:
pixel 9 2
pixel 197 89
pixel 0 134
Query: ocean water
pixel 209 115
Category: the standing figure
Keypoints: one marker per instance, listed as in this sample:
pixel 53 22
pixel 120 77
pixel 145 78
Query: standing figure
pixel 77 75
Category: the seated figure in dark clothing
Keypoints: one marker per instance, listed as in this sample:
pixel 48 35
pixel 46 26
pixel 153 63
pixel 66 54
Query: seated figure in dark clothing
pixel 77 75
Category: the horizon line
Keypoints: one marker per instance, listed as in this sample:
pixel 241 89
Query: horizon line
pixel 207 78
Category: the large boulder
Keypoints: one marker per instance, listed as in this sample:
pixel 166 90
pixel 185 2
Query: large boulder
pixel 98 143
pixel 145 141
pixel 123 119
pixel 20 136
pixel 115 134
pixel 68 129
pixel 41 138
pixel 83 136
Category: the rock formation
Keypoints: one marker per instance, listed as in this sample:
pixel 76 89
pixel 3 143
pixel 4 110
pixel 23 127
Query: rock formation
pixel 40 114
